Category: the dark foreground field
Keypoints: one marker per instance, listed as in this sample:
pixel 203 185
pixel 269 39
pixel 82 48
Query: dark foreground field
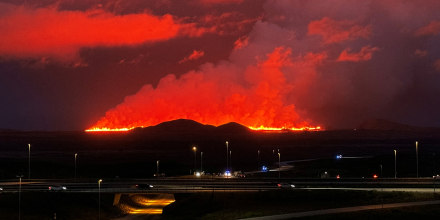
pixel 45 205
pixel 244 205
pixel 218 205
pixel 135 154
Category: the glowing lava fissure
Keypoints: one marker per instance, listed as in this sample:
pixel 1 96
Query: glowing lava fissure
pixel 259 128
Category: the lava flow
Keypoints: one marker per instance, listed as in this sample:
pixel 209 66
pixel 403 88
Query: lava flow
pixel 260 128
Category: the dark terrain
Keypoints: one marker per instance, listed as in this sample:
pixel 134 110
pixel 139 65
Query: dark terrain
pixel 134 153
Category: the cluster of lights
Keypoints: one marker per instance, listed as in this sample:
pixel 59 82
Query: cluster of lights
pixel 227 173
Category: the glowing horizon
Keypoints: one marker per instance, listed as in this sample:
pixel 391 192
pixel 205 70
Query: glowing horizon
pixel 258 128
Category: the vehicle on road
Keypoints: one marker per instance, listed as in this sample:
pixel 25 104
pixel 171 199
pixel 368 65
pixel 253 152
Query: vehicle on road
pixel 57 188
pixel 144 186
pixel 285 185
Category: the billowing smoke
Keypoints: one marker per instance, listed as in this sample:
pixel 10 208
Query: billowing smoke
pixel 253 95
pixel 297 63
pixel 334 63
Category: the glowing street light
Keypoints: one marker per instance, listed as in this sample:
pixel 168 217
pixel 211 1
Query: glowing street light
pixel 395 164
pixel 99 198
pixel 29 162
pixel 227 156
pixel 157 168
pixel 279 165
pixel 195 157
pixel 417 158
pixel 76 156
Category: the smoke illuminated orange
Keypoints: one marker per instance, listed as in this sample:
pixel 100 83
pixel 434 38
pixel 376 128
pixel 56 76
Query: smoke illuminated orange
pixel 255 97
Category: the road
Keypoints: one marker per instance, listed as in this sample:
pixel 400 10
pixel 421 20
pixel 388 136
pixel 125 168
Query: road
pixel 343 210
pixel 184 185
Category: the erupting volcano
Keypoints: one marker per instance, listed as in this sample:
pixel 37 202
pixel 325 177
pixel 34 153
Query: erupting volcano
pixel 255 96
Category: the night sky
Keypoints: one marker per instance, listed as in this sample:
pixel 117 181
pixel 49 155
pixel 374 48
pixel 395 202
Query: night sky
pixel 72 65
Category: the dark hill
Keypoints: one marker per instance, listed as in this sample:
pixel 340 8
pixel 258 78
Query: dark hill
pixel 177 126
pixel 232 127
pixel 185 126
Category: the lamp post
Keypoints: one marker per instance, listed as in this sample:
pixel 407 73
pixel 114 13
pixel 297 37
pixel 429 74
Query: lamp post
pixel 227 156
pixel 279 165
pixel 19 197
pixel 258 159
pixel 395 164
pixel 417 159
pixel 230 159
pixel 99 198
pixel 201 161
pixel 29 162
pixel 157 168
pixel 76 156
pixel 381 171
pixel 273 155
pixel 195 158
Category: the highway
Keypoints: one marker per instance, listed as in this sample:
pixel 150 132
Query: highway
pixel 185 185
pixel 343 210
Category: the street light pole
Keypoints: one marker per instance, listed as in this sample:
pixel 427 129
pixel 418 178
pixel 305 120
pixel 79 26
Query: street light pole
pixel 395 164
pixel 381 175
pixel 227 156
pixel 29 162
pixel 19 198
pixel 230 159
pixel 76 156
pixel 201 161
pixel 258 159
pixel 195 158
pixel 157 168
pixel 279 165
pixel 417 158
pixel 99 198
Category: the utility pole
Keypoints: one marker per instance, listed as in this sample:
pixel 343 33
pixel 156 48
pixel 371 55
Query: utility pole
pixel 417 158
pixel 29 162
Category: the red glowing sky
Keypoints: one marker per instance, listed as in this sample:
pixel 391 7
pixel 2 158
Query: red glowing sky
pixel 69 65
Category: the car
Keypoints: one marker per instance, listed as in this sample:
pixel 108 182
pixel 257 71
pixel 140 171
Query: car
pixel 144 186
pixel 285 185
pixel 1 189
pixel 57 188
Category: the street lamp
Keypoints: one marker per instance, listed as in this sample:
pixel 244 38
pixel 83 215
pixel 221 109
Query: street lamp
pixel 99 198
pixel 258 159
pixel 279 165
pixel 157 168
pixel 395 164
pixel 227 156
pixel 417 158
pixel 19 197
pixel 195 158
pixel 201 161
pixel 29 162
pixel 76 156
pixel 230 159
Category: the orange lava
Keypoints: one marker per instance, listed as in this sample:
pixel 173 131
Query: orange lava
pixel 260 128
